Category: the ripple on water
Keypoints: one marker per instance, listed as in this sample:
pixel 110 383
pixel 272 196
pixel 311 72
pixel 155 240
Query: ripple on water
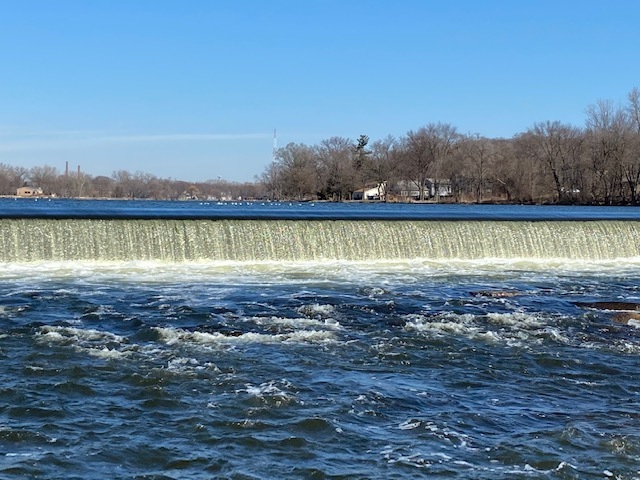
pixel 122 375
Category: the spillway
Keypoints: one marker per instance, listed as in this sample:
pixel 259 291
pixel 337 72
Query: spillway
pixel 168 339
pixel 179 240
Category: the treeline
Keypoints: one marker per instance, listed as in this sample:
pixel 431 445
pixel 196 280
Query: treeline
pixel 552 162
pixel 122 184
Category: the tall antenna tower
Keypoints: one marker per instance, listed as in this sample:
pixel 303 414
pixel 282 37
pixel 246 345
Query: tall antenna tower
pixel 275 146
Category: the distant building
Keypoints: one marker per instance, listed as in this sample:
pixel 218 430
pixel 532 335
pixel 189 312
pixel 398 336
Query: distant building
pixel 29 192
pixel 370 193
pixel 432 188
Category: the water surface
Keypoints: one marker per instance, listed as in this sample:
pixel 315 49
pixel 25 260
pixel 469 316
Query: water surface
pixel 479 362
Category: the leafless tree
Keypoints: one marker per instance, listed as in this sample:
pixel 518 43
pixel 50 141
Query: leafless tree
pixel 10 179
pixel 270 179
pixel 632 160
pixel 44 177
pixel 550 162
pixel 298 171
pixel 633 109
pixel 383 165
pixel 132 185
pixel 513 176
pixel 336 169
pixel 427 149
pixel 103 186
pixel 477 154
pixel 607 136
pixel 557 149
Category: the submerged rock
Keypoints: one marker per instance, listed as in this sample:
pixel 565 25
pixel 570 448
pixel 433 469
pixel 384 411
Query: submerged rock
pixel 494 293
pixel 627 318
pixel 623 306
pixel 626 313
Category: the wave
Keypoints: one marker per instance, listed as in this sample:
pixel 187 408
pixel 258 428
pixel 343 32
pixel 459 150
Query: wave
pixel 527 331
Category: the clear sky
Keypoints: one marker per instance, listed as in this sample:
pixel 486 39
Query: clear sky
pixel 193 89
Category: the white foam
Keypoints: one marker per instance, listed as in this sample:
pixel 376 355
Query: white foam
pixel 516 319
pixel 627 347
pixel 34 368
pixel 275 392
pixel 556 335
pixel 409 425
pixel 513 329
pixel 82 334
pixel 378 272
pixel 448 323
pixel 174 336
pixel 51 336
pixel 633 323
pixel 96 343
pixel 299 323
pixel 188 366
pixel 316 310
pixel 106 353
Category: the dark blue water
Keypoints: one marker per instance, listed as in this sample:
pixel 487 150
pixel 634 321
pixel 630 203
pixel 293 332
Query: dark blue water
pixel 72 208
pixel 470 369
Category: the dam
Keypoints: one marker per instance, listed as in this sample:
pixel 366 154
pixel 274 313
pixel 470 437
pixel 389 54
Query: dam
pixel 255 240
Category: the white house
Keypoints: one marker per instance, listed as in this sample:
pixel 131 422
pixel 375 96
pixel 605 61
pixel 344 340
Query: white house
pixel 370 193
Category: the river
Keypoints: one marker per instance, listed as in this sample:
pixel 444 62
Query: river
pixel 172 340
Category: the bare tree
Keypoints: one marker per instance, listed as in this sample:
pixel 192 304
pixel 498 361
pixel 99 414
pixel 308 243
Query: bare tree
pixel 383 165
pixel 20 175
pixel 478 154
pixel 271 181
pixel 44 177
pixel 608 129
pixel 81 185
pixel 633 109
pixel 557 149
pixel 336 169
pixel 102 186
pixel 128 185
pixel 426 150
pixel 10 180
pixel 64 186
pixel 631 162
pixel 514 177
pixel 298 171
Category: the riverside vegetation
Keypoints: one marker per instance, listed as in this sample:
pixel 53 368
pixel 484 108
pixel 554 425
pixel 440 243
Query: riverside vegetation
pixel 551 162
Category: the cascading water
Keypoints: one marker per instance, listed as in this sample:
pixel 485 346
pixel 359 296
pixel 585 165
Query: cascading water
pixel 27 240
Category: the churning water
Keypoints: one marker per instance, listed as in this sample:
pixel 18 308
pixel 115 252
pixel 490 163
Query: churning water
pixel 151 340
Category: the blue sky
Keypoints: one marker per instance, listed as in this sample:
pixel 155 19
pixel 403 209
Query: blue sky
pixel 192 89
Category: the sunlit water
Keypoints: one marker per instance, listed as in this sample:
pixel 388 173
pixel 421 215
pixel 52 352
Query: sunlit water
pixel 481 367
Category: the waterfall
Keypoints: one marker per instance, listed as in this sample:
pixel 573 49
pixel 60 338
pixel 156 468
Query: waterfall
pixel 172 240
